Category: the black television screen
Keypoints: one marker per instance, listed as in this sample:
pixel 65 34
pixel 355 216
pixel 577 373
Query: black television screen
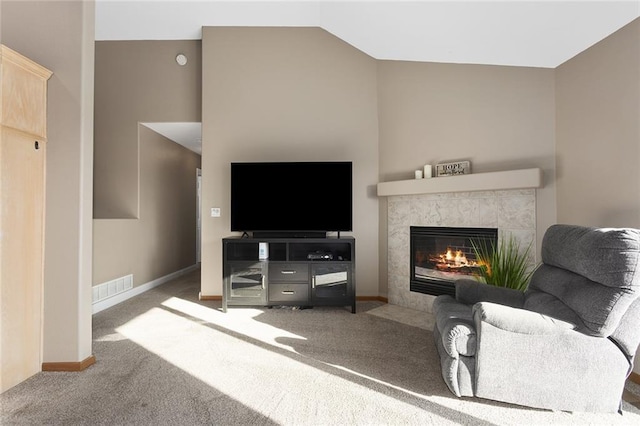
pixel 291 196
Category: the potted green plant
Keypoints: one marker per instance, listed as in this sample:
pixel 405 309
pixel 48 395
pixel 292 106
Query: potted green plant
pixel 504 265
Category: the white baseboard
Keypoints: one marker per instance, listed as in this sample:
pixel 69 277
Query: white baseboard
pixel 121 297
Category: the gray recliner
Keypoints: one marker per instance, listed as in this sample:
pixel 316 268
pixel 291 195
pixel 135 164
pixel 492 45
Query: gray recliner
pixel 566 343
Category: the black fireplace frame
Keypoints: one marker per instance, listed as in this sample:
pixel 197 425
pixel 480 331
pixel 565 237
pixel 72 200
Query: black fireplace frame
pixel 435 286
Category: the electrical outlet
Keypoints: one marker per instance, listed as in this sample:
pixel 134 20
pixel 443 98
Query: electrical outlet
pixel 215 211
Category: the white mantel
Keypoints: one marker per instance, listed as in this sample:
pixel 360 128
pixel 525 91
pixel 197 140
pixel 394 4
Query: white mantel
pixel 492 181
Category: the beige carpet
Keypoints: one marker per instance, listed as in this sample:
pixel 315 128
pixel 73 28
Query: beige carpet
pixel 404 315
pixel 165 358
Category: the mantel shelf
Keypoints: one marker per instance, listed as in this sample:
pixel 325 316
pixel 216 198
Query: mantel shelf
pixel 493 181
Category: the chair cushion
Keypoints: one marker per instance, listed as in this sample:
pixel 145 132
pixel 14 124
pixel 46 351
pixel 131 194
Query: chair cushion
pixel 592 271
pixel 549 305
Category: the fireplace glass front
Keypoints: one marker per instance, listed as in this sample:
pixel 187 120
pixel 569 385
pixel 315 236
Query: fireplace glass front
pixel 441 255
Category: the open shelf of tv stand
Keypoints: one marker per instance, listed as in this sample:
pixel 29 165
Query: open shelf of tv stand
pixel 303 272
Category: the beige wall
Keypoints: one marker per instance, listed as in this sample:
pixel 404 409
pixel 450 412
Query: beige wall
pixel 598 134
pixel 59 35
pixel 137 81
pixel 140 81
pixel 163 239
pixel 287 94
pixel 499 118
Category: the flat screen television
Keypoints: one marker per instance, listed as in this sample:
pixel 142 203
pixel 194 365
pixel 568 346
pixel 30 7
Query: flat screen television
pixel 272 199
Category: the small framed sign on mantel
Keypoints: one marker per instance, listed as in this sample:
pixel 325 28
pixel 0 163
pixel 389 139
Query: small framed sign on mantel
pixel 452 169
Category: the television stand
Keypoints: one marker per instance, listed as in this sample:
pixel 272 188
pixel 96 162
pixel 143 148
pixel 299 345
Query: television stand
pixel 303 272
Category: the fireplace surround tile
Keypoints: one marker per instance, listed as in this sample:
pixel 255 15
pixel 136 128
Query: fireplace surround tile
pixel 516 212
pixel 488 212
pixel 513 212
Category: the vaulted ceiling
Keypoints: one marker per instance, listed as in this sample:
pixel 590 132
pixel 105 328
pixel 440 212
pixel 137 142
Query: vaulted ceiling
pixel 542 33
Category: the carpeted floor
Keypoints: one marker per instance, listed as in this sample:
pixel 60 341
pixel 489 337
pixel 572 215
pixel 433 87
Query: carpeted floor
pixel 165 358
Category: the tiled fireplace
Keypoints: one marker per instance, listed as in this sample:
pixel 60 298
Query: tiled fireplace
pixel 510 212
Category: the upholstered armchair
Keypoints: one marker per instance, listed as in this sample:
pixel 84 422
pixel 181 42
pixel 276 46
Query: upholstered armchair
pixel 566 343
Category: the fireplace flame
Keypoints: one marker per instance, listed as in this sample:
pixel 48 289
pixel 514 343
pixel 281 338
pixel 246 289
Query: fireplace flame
pixel 450 261
pixel 455 261
pixel 459 259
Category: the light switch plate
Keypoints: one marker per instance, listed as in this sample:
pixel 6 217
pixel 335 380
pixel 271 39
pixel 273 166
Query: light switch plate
pixel 215 211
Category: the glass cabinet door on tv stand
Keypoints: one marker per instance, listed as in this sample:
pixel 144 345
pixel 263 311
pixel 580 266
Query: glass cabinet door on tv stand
pixel 331 284
pixel 245 284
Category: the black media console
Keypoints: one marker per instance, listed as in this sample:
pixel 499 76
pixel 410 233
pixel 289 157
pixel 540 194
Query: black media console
pixel 302 272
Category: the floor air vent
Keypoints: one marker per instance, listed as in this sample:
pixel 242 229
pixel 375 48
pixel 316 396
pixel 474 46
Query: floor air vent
pixel 111 288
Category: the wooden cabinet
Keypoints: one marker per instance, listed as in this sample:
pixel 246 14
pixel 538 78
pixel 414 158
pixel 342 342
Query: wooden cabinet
pixel 302 272
pixel 23 100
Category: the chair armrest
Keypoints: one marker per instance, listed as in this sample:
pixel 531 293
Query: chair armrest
pixel 517 320
pixel 471 292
